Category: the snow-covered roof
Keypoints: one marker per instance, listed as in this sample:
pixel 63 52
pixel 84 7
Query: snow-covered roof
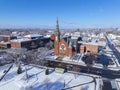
pixel 2 42
pixel 94 43
pixel 7 36
pixel 4 35
pixel 33 35
pixel 21 40
pixel 47 36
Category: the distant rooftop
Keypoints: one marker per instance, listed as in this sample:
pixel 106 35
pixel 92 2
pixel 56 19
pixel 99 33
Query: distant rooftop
pixel 5 35
pixel 33 35
pixel 99 43
pixel 2 42
pixel 21 40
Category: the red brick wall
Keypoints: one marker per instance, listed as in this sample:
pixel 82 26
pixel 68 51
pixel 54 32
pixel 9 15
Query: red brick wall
pixel 82 49
pixel 56 46
pixel 52 37
pixel 66 52
pixel 6 39
pixel 92 48
pixel 15 44
pixel 26 44
pixel 70 52
pixel 102 39
pixel 5 45
pixel 66 46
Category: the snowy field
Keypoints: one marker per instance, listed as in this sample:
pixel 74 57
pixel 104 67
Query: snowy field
pixel 117 82
pixel 37 80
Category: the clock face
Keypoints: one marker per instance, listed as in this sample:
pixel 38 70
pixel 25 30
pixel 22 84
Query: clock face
pixel 62 47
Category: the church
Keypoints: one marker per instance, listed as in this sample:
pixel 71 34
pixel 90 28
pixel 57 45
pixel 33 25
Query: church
pixel 68 46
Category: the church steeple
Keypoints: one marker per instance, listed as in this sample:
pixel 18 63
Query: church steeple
pixel 57 26
pixel 57 29
pixel 57 39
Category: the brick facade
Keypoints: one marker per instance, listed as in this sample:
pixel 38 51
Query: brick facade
pixel 102 39
pixel 82 49
pixel 52 37
pixel 62 50
pixel 70 52
pixel 91 48
pixel 7 38
pixel 5 45
pixel 15 45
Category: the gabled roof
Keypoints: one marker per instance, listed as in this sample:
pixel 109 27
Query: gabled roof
pixel 68 40
pixel 73 41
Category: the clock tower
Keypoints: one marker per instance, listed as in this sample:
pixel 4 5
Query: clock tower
pixel 57 39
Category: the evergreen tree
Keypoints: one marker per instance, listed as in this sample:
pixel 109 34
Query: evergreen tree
pixel 47 71
pixel 19 71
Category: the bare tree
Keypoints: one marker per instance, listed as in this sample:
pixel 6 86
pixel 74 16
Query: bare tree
pixel 47 80
pixel 76 69
pixel 16 54
pixel 36 56
pixel 32 57
pixel 50 45
pixel 89 60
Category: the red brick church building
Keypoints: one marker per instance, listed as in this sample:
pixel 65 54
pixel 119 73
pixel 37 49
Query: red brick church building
pixel 61 46
pixel 67 46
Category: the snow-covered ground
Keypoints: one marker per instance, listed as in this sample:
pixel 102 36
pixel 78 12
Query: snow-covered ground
pixel 77 59
pixel 117 82
pixel 37 80
pixel 115 59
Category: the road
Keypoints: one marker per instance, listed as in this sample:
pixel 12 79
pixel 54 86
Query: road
pixel 112 47
pixel 107 84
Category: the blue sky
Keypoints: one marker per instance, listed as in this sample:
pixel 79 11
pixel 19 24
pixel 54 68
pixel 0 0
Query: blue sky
pixel 71 13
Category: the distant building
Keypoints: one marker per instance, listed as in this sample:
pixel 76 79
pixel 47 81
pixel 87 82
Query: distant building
pixel 102 39
pixel 28 41
pixel 5 41
pixel 5 45
pixel 52 37
pixel 21 43
pixel 92 48
pixel 7 38
pixel 33 36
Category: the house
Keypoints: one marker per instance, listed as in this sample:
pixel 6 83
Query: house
pixel 5 44
pixel 7 38
pixel 5 41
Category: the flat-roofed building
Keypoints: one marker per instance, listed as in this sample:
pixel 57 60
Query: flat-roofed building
pixel 82 49
pixel 5 44
pixel 18 43
pixel 27 43
pixel 7 38
pixel 33 36
pixel 92 48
